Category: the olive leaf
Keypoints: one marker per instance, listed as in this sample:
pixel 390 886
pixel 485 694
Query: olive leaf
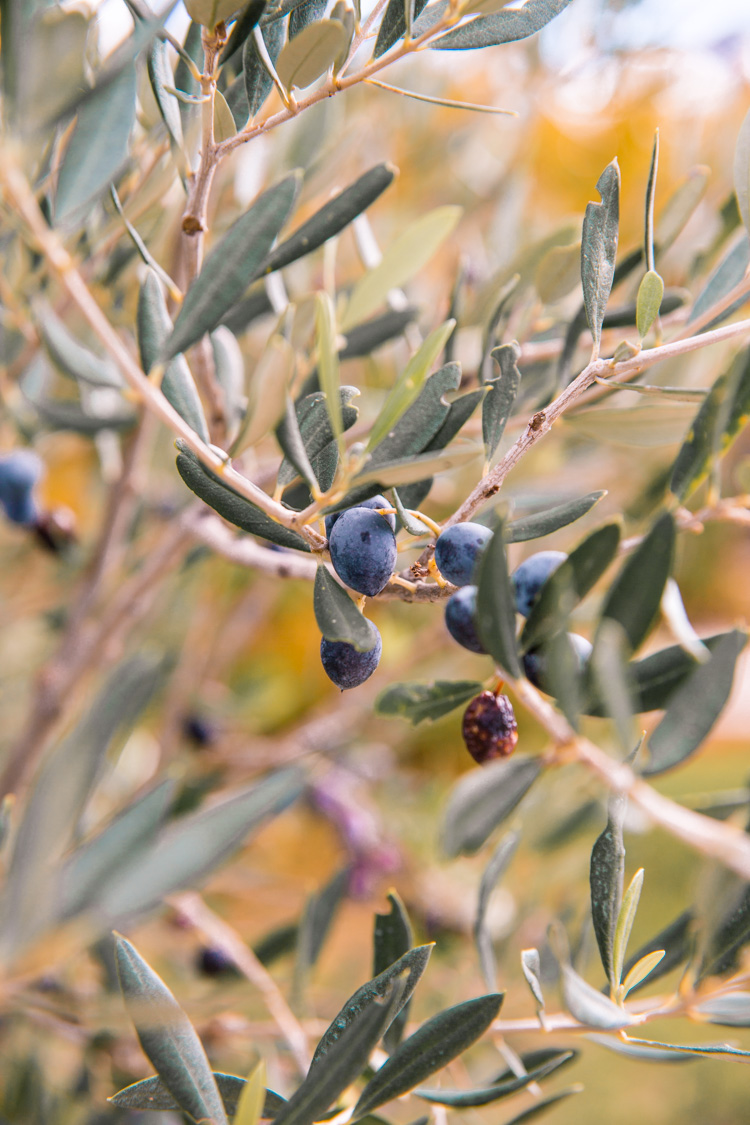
pixel 498 402
pixel 168 1037
pixel 392 938
pixel 431 1047
pixel 539 524
pixel 505 26
pixel 483 799
pixel 336 614
pixel 606 873
pixel 418 702
pixel 599 248
pixel 695 707
pixel 231 265
pixel 496 615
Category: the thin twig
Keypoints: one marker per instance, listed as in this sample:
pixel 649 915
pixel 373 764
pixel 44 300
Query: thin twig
pixel 18 191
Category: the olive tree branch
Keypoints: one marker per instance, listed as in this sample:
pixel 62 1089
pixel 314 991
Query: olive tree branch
pixel 195 224
pixel 542 422
pixel 725 842
pixel 211 530
pixel 333 85
pixel 18 192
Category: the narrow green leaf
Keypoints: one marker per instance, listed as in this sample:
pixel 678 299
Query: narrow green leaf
pixel 655 678
pixel 318 917
pixel 421 421
pixel 233 507
pixel 634 597
pixel 531 966
pixel 409 469
pixel 417 702
pixel 94 863
pixel 588 1005
pixel 151 1093
pixel 544 523
pixel 154 327
pixel 428 1049
pixel 393 25
pixel 695 707
pixel 625 920
pixel 606 873
pixel 648 225
pixel 161 76
pixel 491 876
pixel 413 964
pixel 403 258
pixel 496 614
pixel 336 614
pixel 392 935
pixel 231 265
pixel 599 248
pixel 72 358
pixel 409 383
pixel 317 434
pixel 408 522
pixel 469 1099
pixel 563 674
pixel 328 363
pixel 569 584
pixel 258 82
pixel 167 1037
pixel 719 420
pixel 310 53
pixel 505 26
pixel 483 799
pixel 242 28
pixel 197 843
pixel 499 400
pixel 742 171
pixel 641 970
pixel 59 795
pixel 98 147
pixel 611 676
pixel 727 274
pixel 392 938
pixel 346 1058
pixel 648 302
pixel 252 1099
pixel 290 439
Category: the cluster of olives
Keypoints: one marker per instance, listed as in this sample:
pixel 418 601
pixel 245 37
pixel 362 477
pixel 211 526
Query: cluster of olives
pixel 362 545
pixel 489 726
